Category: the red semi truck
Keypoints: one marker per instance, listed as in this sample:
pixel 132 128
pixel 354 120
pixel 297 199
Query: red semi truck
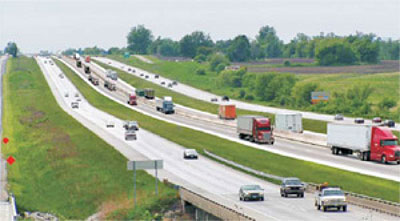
pixel 255 128
pixel 132 99
pixel 368 142
pixel 87 59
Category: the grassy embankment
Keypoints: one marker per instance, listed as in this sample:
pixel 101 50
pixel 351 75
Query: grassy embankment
pixel 137 82
pixel 260 160
pixel 62 167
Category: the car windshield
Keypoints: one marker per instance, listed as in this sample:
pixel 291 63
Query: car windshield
pixel 390 142
pixel 333 193
pixel 264 128
pixel 252 187
pixel 191 151
pixel 293 182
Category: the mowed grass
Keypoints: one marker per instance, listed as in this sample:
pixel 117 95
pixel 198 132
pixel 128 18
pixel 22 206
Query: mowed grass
pixel 137 82
pixel 61 167
pixel 254 158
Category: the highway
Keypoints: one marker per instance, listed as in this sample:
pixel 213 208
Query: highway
pixel 211 124
pixel 203 176
pixel 206 96
pixel 5 205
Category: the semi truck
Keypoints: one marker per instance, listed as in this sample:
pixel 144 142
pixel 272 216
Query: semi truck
pixel 132 100
pixel 111 86
pixel 112 74
pixel 227 111
pixel 139 92
pixel 78 63
pixel 368 142
pixel 94 80
pixel 255 129
pixel 149 93
pixel 289 122
pixel 86 68
pixel 87 59
pixel 165 105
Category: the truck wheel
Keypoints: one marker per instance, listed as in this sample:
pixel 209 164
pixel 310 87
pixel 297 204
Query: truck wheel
pixel 285 194
pixel 334 150
pixel 324 208
pixel 318 207
pixel 344 208
pixel 383 160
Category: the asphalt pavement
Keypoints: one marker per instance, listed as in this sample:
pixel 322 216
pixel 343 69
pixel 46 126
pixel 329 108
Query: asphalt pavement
pixel 211 124
pixel 203 176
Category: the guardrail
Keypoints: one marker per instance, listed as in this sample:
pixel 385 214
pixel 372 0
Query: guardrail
pixel 14 206
pixel 212 206
pixel 380 205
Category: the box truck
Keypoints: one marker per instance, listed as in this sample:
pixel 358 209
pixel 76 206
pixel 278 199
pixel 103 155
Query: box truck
pixel 227 111
pixel 165 105
pixel 255 128
pixel 111 86
pixel 289 122
pixel 367 141
pixel 149 93
pixel 132 99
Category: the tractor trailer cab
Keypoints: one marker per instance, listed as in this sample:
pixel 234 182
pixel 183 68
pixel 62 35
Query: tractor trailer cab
pixel 255 128
pixel 367 141
pixel 132 99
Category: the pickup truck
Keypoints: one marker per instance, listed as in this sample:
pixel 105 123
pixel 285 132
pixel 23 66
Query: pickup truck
pixel 131 125
pixel 292 185
pixel 330 197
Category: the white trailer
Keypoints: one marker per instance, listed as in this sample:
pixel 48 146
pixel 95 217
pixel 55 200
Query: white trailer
pixel 349 138
pixel 289 122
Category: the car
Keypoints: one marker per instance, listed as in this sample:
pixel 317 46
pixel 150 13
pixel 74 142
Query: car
pixel 174 83
pixel 339 117
pixel 130 135
pixel 169 85
pixel 147 76
pixel 330 197
pixel 74 104
pixel 251 192
pixel 163 83
pixel 389 123
pixel 141 75
pixel 292 185
pixel 61 76
pixel 78 99
pixel 359 120
pixel 129 69
pixel 214 99
pixel 156 76
pixel 225 98
pixel 109 62
pixel 66 94
pixel 76 94
pixel 190 154
pixel 376 120
pixel 110 123
pixel 131 125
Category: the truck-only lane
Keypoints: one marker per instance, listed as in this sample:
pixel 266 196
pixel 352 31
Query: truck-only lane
pixel 281 146
pixel 204 176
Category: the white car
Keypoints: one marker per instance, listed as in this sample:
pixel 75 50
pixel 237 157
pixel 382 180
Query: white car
pixel 330 197
pixel 190 154
pixel 110 123
pixel 61 76
pixel 74 104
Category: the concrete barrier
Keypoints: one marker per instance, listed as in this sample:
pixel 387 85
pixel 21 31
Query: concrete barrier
pixel 212 207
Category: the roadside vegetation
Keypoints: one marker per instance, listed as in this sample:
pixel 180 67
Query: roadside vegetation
pixel 62 167
pixel 260 160
pixel 308 124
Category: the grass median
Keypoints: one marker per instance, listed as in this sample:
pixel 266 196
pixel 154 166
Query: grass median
pixel 137 82
pixel 62 167
pixel 242 154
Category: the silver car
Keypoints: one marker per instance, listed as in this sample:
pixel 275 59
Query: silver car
pixel 251 192
pixel 74 104
pixel 190 154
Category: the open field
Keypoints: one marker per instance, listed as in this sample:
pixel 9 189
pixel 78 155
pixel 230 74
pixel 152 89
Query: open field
pixel 62 167
pixel 255 158
pixel 308 124
pixel 384 84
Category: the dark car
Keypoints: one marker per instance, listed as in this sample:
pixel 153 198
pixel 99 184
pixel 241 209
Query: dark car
pixel 376 120
pixel 141 75
pixel 147 76
pixel 174 83
pixel 225 98
pixel 214 99
pixel 292 185
pixel 389 123
pixel 359 121
pixel 156 76
pixel 163 83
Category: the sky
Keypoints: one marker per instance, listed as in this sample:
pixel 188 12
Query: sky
pixel 60 24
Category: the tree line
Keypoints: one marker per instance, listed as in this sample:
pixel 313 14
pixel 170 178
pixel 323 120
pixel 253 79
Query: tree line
pixel 328 49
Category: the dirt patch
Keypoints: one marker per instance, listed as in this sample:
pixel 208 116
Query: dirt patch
pixel 383 67
pixel 33 118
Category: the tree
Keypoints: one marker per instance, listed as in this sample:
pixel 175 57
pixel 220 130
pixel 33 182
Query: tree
pixel 334 52
pixel 301 94
pixel 11 49
pixel 190 43
pixel 269 42
pixel 365 47
pixel 217 59
pixel 239 50
pixel 139 39
pixel 387 103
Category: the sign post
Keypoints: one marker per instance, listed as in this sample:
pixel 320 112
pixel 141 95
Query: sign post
pixel 144 165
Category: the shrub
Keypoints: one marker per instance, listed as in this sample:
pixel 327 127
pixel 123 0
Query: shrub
pixel 286 63
pixel 220 68
pixel 200 71
pixel 249 97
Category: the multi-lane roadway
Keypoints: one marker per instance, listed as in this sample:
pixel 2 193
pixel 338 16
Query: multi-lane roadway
pixel 211 124
pixel 206 96
pixel 203 176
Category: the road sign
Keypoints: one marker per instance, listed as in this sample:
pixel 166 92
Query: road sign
pixel 145 165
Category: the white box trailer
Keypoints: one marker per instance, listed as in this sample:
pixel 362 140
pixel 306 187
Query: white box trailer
pixel 356 138
pixel 289 122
